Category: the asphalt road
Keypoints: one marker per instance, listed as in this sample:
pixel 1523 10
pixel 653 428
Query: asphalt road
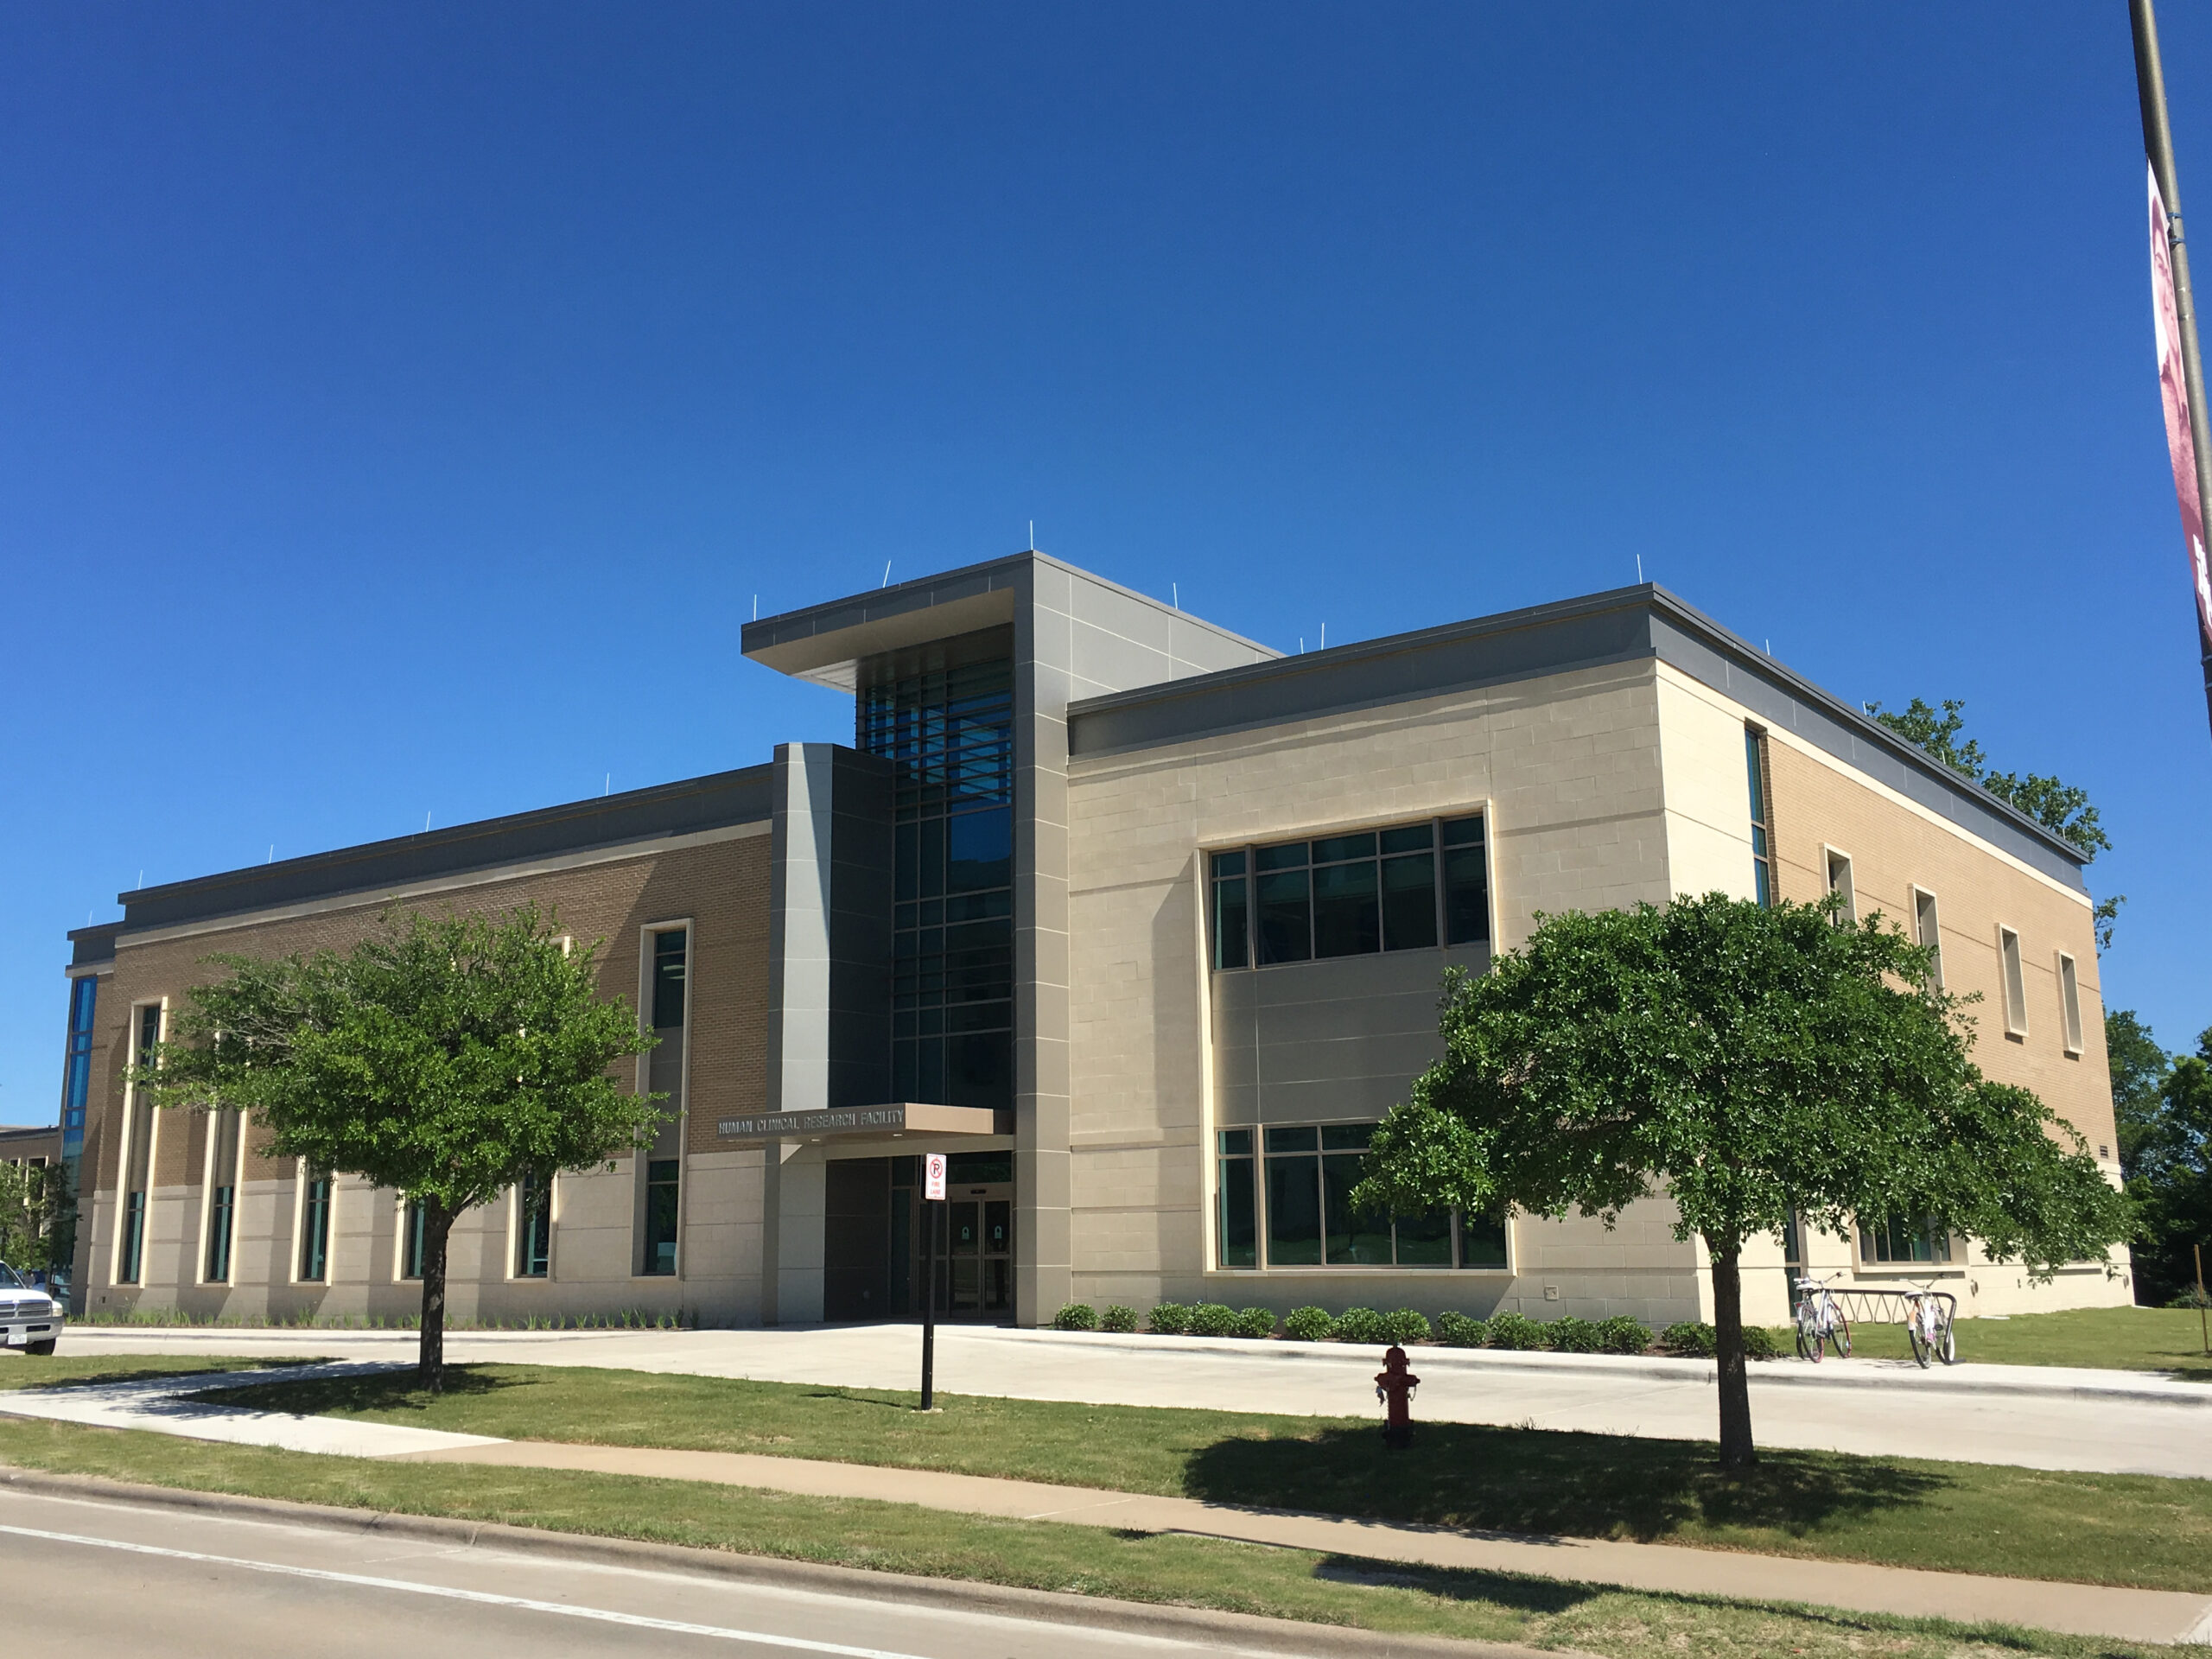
pixel 86 1576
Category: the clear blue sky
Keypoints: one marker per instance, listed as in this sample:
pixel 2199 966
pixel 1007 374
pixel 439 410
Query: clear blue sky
pixel 403 404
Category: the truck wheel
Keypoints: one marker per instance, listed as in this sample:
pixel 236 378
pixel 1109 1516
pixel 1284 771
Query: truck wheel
pixel 41 1349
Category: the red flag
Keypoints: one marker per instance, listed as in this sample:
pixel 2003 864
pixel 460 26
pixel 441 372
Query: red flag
pixel 2173 391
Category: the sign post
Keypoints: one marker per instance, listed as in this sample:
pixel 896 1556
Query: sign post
pixel 933 1196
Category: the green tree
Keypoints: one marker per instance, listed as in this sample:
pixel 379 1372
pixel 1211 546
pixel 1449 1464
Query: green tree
pixel 2061 808
pixel 443 1058
pixel 2138 1074
pixel 1747 1062
pixel 37 1219
pixel 2171 1176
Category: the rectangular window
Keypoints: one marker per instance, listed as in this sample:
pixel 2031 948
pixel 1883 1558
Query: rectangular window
pixel 663 1177
pixel 1762 837
pixel 1347 904
pixel 1409 887
pixel 1285 903
pixel 1311 1172
pixel 2070 1004
pixel 1904 1240
pixel 1466 882
pixel 413 1229
pixel 223 1151
pixel 1236 1226
pixel 138 1150
pixel 533 1226
pixel 2016 987
pixel 1231 911
pixel 1928 934
pixel 1839 886
pixel 315 1226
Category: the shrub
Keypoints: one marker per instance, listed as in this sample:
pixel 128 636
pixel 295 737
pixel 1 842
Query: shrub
pixel 1461 1331
pixel 1405 1324
pixel 1118 1318
pixel 1759 1342
pixel 1689 1339
pixel 1256 1322
pixel 1213 1319
pixel 1170 1319
pixel 1622 1335
pixel 1076 1316
pixel 1360 1325
pixel 1308 1325
pixel 1515 1331
pixel 1571 1336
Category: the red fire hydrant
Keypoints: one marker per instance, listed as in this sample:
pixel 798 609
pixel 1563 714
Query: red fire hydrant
pixel 1394 1385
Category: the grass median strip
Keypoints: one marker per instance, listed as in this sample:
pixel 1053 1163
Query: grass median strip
pixel 1168 1569
pixel 2139 1530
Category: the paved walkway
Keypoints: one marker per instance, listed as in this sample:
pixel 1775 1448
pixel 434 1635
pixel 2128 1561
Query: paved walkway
pixel 2084 1610
pixel 2123 1422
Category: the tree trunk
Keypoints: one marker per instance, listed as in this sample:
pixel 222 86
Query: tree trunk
pixel 1736 1449
pixel 431 1356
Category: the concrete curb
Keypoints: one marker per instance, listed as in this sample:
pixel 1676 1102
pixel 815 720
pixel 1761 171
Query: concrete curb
pixel 1139 1618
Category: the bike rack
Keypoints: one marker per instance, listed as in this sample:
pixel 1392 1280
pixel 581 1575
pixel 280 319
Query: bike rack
pixel 1871 1306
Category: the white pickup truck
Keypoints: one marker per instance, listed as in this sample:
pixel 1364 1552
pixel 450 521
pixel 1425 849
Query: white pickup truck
pixel 29 1319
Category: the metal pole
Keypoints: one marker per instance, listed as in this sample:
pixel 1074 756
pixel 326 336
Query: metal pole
pixel 2203 1330
pixel 929 1307
pixel 2158 145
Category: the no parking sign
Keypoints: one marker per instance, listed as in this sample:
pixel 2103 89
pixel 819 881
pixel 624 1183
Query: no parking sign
pixel 933 1176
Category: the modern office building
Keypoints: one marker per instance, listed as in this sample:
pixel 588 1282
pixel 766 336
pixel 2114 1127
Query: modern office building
pixel 1143 923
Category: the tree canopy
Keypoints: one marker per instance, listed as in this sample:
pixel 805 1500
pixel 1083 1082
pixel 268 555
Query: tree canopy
pixel 2163 1106
pixel 2061 808
pixel 1749 1063
pixel 446 1058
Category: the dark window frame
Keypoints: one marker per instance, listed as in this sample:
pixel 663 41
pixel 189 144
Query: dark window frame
pixel 1759 774
pixel 1257 887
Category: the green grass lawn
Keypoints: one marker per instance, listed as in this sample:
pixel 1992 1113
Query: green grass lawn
pixel 2123 1339
pixel 2130 1530
pixel 1164 1568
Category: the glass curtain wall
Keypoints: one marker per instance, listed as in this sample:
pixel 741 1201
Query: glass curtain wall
pixel 949 730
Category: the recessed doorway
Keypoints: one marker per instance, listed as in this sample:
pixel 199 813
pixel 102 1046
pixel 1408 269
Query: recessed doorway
pixel 873 1251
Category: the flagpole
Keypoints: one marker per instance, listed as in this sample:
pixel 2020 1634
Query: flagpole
pixel 2158 145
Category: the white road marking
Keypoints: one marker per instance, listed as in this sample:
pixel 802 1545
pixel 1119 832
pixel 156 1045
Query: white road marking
pixel 636 1620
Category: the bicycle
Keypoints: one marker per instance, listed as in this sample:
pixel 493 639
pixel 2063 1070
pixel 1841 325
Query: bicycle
pixel 1819 1321
pixel 1929 1327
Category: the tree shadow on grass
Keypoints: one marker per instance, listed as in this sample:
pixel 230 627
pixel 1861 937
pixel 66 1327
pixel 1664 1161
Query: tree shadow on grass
pixel 1535 1481
pixel 393 1390
pixel 124 1372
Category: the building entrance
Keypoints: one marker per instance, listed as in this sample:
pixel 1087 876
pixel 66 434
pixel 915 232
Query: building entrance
pixel 873 1251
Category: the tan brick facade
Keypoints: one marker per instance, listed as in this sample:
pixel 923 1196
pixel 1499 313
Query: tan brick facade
pixel 721 888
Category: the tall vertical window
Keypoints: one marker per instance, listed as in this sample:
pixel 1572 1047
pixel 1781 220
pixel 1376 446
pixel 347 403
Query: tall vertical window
pixel 414 1228
pixel 223 1134
pixel 1761 829
pixel 1409 887
pixel 138 1150
pixel 315 1226
pixel 1840 885
pixel 948 731
pixel 1928 934
pixel 1231 911
pixel 2070 1004
pixel 77 1064
pixel 661 1211
pixel 533 1226
pixel 1466 882
pixel 1237 1224
pixel 659 1206
pixel 1283 895
pixel 2016 987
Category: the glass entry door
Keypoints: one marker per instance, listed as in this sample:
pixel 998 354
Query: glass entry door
pixel 979 1223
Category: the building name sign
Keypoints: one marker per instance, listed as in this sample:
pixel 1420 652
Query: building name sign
pixel 853 1120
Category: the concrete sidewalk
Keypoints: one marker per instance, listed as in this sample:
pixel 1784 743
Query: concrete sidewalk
pixel 159 1405
pixel 2034 1417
